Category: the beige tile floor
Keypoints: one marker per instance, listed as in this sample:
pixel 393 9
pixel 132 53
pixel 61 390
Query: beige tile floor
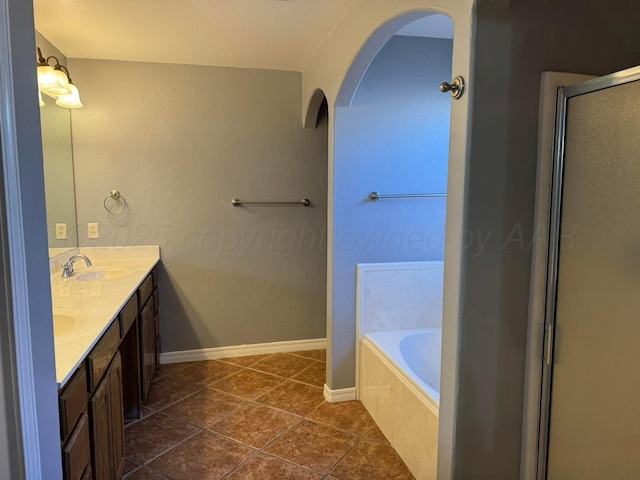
pixel 254 418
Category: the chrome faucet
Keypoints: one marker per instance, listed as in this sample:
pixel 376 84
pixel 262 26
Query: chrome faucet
pixel 67 268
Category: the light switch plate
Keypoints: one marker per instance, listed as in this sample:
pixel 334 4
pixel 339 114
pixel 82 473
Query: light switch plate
pixel 61 231
pixel 92 230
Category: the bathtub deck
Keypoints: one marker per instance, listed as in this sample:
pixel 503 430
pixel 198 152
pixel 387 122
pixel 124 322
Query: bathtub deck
pixel 406 414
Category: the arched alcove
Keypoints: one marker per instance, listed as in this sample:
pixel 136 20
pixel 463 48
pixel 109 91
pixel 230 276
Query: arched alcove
pixel 341 322
pixel 314 109
pixel 374 44
pixel 342 308
pixel 337 68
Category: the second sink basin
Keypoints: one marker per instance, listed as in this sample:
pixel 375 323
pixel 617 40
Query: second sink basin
pixel 65 320
pixel 102 274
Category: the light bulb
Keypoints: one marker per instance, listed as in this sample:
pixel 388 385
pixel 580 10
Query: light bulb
pixel 71 100
pixel 46 77
pixel 60 85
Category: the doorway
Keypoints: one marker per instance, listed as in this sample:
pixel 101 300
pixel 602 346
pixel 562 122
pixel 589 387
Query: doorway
pixel 589 408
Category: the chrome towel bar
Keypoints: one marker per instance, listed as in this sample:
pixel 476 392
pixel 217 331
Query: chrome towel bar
pixel 375 195
pixel 305 202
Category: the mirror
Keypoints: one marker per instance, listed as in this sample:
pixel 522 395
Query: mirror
pixel 57 152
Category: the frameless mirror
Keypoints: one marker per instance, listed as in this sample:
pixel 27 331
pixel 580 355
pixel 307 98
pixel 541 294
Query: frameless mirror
pixel 57 150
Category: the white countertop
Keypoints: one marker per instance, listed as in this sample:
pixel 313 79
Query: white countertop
pixel 95 304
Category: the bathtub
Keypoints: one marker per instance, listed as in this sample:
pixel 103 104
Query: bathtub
pixel 399 384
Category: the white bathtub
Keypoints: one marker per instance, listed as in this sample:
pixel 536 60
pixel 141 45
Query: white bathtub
pixel 399 384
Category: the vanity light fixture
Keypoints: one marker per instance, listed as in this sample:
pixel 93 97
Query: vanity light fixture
pixel 56 82
pixel 72 100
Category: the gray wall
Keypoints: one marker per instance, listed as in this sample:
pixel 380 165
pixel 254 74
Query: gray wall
pixel 515 43
pixel 393 139
pixel 180 142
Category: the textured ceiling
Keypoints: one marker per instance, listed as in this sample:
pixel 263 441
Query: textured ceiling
pixel 272 34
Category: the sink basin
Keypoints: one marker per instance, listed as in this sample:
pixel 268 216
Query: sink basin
pixel 63 323
pixel 102 275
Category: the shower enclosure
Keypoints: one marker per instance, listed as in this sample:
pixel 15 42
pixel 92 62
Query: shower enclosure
pixel 589 411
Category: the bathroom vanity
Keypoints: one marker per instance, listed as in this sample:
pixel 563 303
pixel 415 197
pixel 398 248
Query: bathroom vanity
pixel 106 331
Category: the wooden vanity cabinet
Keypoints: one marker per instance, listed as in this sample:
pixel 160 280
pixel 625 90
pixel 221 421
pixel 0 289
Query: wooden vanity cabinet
pixel 107 386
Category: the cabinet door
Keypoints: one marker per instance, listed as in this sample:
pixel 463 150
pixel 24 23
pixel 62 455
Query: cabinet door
pixel 76 453
pixel 116 415
pixel 100 410
pixel 147 347
pixel 107 424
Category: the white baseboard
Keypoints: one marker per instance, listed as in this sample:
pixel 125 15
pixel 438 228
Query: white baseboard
pixel 243 350
pixel 339 395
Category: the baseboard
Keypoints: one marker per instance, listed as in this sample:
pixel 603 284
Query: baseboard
pixel 339 395
pixel 242 350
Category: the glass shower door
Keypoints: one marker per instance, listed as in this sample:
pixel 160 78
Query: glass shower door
pixel 594 389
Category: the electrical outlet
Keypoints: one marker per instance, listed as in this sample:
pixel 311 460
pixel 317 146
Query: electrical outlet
pixel 61 231
pixel 92 230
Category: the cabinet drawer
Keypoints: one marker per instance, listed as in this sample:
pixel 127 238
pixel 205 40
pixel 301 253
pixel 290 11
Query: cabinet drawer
pixel 144 292
pixel 128 315
pixel 73 401
pixel 101 355
pixel 76 454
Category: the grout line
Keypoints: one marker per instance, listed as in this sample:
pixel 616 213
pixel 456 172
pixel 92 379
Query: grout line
pixel 245 401
pixel 277 375
pixel 241 464
pixel 258 404
pixel 160 409
pixel 227 360
pixel 182 366
pixel 158 472
pixel 234 440
pixel 298 354
pixel 273 455
pixel 253 398
pixel 138 467
pixel 305 383
pixel 352 449
pixel 281 434
pixel 189 437
pixel 131 422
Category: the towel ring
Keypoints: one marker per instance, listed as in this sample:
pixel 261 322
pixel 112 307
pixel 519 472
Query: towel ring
pixel 116 196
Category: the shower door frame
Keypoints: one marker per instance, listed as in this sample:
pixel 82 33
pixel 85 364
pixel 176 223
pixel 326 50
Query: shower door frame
pixel 542 353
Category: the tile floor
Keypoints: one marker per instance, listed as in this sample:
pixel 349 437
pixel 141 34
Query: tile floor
pixel 254 418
